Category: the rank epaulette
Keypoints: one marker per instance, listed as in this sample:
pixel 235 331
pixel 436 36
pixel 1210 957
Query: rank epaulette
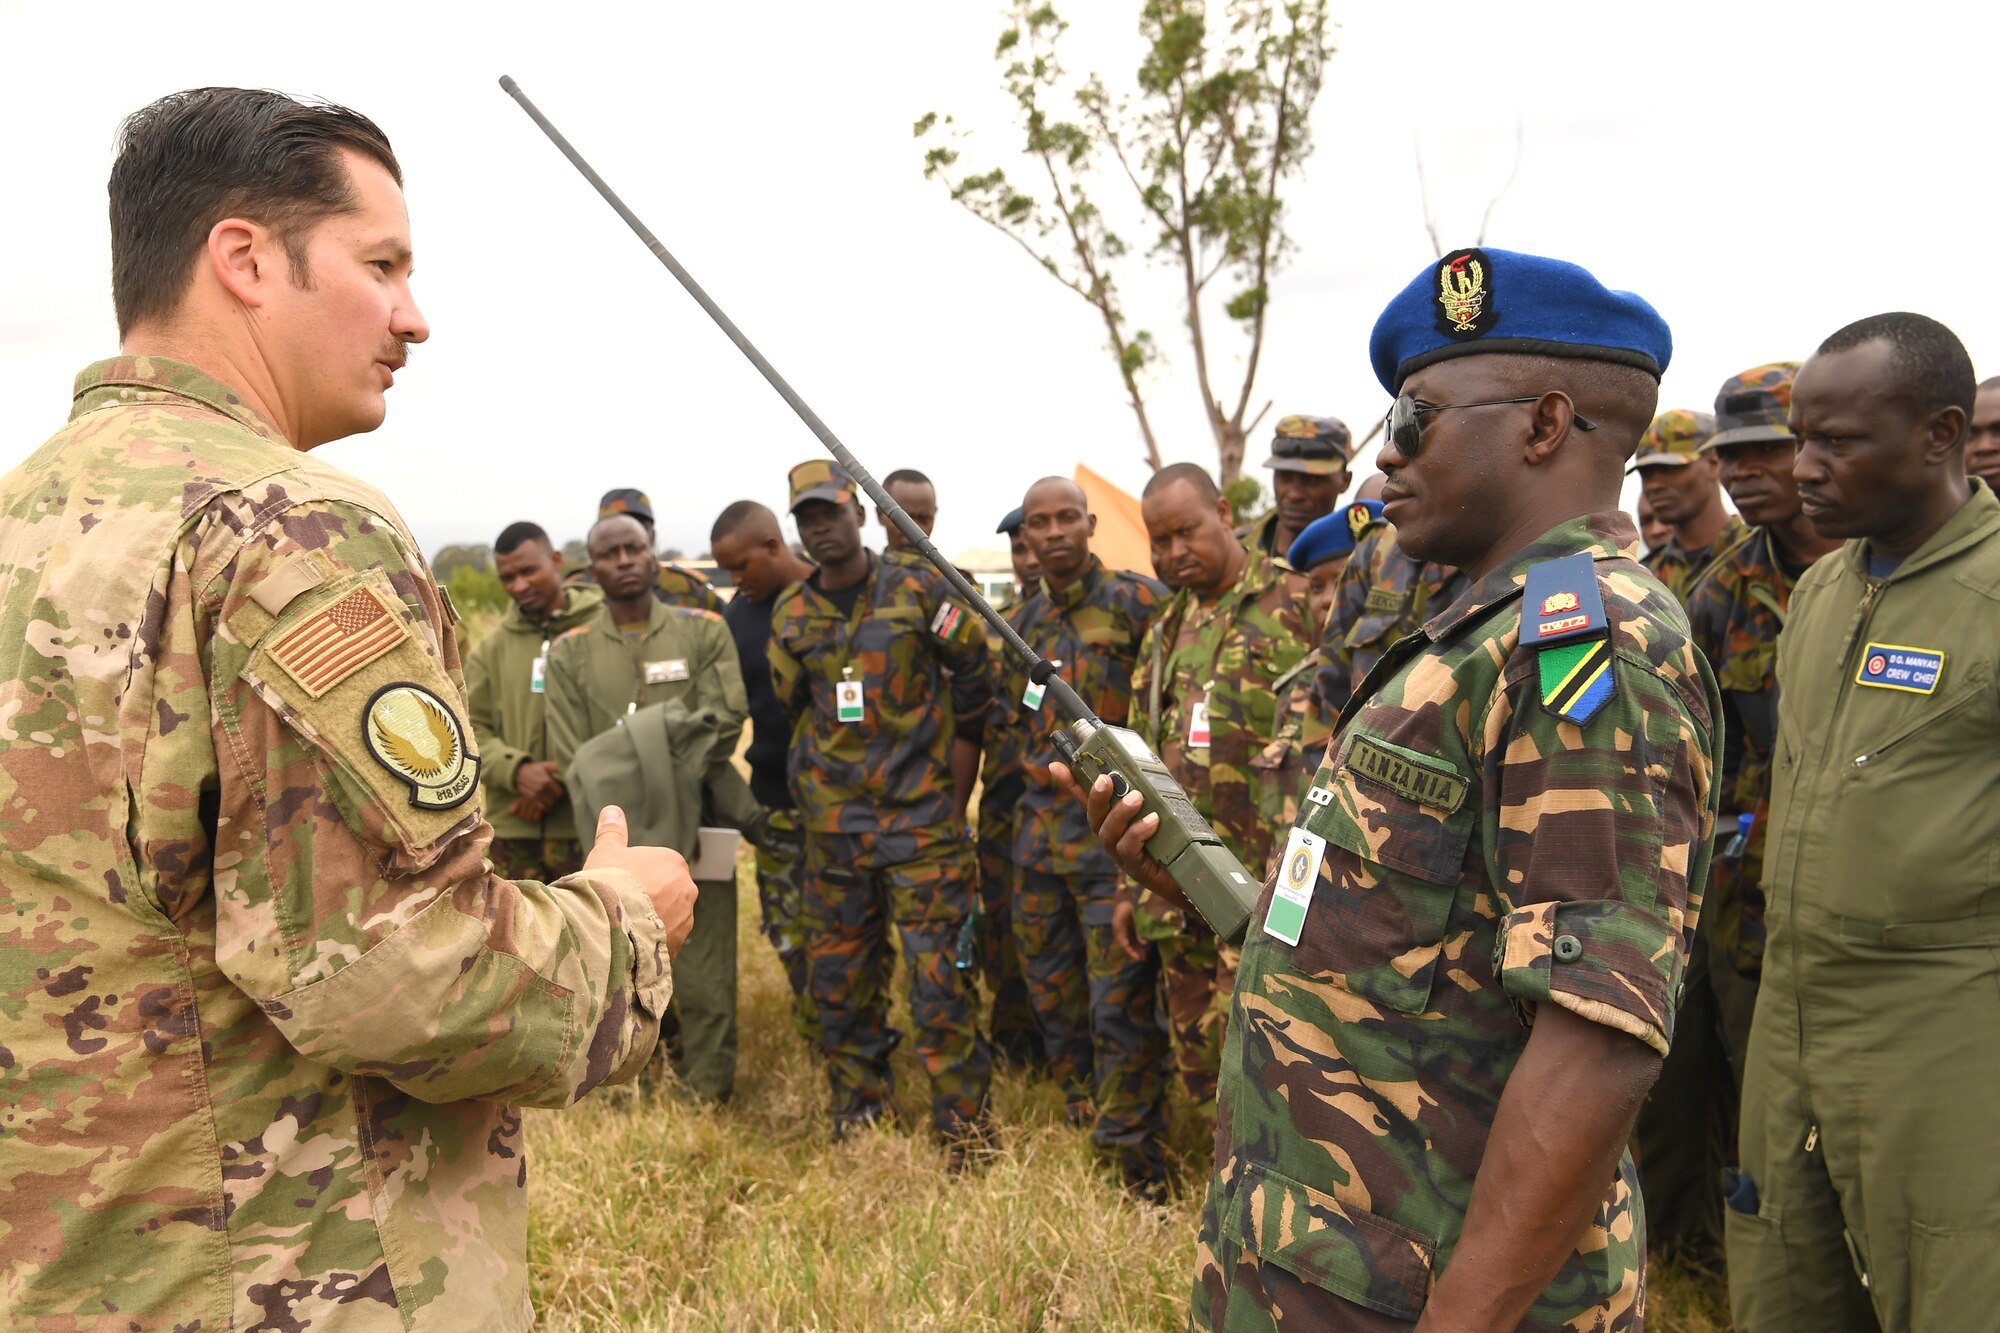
pixel 1562 618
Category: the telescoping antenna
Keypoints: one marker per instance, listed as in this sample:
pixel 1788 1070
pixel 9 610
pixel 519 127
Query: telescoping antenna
pixel 1184 844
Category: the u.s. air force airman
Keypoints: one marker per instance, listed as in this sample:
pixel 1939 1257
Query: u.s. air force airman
pixel 266 1007
pixel 1463 972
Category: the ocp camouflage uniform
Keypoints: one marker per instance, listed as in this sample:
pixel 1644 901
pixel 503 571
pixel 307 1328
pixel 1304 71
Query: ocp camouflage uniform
pixel 1241 783
pixel 266 1010
pixel 883 838
pixel 1480 856
pixel 1096 1007
pixel 1009 731
pixel 1678 568
pixel 1382 595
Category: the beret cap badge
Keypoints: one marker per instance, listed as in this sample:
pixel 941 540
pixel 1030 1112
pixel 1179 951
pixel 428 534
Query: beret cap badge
pixel 1464 298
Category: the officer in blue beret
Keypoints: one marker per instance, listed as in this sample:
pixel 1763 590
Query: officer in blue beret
pixel 1321 551
pixel 1464 969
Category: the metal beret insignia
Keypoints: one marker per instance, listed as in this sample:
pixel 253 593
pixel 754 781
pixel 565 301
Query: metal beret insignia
pixel 415 735
pixel 1465 294
pixel 1359 516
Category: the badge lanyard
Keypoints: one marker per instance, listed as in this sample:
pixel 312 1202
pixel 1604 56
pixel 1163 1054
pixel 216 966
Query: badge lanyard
pixel 1197 737
pixel 538 679
pixel 849 697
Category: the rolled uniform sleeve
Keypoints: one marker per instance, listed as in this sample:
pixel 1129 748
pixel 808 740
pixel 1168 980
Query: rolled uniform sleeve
pixel 354 902
pixel 1601 848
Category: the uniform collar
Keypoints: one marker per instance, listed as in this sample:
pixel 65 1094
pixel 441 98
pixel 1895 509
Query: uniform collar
pixel 656 616
pixel 1975 519
pixel 153 379
pixel 1078 592
pixel 1605 536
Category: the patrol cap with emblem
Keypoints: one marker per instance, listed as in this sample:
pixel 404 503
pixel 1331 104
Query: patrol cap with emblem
pixel 1483 300
pixel 820 479
pixel 1012 524
pixel 1332 535
pixel 1675 439
pixel 626 500
pixel 1755 406
pixel 1317 445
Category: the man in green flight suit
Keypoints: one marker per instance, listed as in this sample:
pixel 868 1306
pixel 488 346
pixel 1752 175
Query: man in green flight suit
pixel 506 688
pixel 1462 973
pixel 888 682
pixel 1870 1154
pixel 636 652
pixel 1205 695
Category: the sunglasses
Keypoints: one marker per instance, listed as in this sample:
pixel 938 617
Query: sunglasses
pixel 1406 424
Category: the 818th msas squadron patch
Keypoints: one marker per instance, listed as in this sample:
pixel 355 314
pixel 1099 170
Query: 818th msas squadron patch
pixel 415 735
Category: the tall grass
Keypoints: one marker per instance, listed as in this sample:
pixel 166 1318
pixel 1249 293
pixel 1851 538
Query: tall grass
pixel 652 1213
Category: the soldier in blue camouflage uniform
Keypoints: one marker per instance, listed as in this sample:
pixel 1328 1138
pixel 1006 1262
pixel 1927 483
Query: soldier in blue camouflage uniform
pixel 883 675
pixel 1011 1019
pixel 1463 972
pixel 1093 1001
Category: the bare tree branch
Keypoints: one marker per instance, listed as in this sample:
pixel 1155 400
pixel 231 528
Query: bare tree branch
pixel 1520 146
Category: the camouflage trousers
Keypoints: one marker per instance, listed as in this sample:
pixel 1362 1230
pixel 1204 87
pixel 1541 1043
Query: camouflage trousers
pixel 1197 980
pixel 543 860
pixel 856 887
pixel 1011 1021
pixel 1098 1015
pixel 781 886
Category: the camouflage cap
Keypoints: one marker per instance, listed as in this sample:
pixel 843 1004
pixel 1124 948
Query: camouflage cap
pixel 1309 444
pixel 1755 405
pixel 820 479
pixel 626 500
pixel 1674 439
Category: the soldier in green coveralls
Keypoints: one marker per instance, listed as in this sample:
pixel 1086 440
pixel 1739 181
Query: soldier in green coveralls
pixel 1463 971
pixel 1870 1152
pixel 635 652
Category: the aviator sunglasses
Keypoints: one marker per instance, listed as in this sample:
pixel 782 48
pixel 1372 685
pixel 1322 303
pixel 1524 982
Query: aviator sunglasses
pixel 1406 426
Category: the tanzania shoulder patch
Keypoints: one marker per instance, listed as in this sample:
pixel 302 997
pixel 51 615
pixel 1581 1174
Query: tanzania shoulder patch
pixel 1562 618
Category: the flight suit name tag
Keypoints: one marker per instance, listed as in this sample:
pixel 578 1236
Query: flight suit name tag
pixel 666 672
pixel 1031 698
pixel 1198 724
pixel 1298 876
pixel 847 705
pixel 1895 666
pixel 538 680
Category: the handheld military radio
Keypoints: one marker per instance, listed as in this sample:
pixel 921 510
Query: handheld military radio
pixel 1218 887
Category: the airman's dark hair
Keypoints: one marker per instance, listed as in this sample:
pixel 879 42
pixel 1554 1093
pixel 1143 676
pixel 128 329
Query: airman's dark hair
pixel 1932 365
pixel 194 158
pixel 516 535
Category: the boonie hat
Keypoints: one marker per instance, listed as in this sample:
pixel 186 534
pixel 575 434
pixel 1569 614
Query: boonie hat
pixel 626 501
pixel 1675 439
pixel 1309 444
pixel 1755 405
pixel 820 479
pixel 1479 300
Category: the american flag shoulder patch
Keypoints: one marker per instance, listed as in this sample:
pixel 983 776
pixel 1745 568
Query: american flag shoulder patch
pixel 947 619
pixel 329 646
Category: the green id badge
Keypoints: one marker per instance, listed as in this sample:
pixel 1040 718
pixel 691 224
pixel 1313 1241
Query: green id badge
pixel 847 706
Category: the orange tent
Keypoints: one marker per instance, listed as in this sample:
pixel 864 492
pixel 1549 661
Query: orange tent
pixel 1121 533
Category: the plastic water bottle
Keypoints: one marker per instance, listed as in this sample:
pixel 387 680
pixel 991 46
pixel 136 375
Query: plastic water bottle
pixel 1741 842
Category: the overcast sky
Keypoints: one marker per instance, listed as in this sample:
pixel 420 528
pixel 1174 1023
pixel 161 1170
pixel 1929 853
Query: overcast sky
pixel 1763 173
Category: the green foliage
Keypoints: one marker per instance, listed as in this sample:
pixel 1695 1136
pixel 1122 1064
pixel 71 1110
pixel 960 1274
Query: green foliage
pixel 1246 498
pixel 575 554
pixel 1220 122
pixel 476 555
pixel 475 589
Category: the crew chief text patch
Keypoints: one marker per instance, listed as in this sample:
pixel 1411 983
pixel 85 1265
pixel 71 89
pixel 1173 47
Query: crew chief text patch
pixel 1894 666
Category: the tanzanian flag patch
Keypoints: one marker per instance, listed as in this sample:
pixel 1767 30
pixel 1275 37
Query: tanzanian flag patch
pixel 1562 617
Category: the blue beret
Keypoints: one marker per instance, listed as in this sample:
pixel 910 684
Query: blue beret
pixel 1335 534
pixel 1015 518
pixel 1474 301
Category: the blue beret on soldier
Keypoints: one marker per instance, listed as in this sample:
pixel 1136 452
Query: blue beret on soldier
pixel 1483 300
pixel 1332 535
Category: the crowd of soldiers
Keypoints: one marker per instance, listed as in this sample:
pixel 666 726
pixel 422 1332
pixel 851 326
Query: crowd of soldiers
pixel 1560 888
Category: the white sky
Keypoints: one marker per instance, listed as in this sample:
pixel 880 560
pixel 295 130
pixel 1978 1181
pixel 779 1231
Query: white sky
pixel 1762 172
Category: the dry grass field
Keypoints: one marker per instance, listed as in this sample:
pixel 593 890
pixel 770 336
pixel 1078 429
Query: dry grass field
pixel 652 1214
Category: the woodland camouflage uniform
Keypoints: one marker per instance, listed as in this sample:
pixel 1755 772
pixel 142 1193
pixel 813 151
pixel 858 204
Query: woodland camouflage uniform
pixel 1476 856
pixel 883 840
pixel 1245 783
pixel 1096 1007
pixel 271 1016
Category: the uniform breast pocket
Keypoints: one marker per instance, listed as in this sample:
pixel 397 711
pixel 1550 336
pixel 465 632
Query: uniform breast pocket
pixel 1396 824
